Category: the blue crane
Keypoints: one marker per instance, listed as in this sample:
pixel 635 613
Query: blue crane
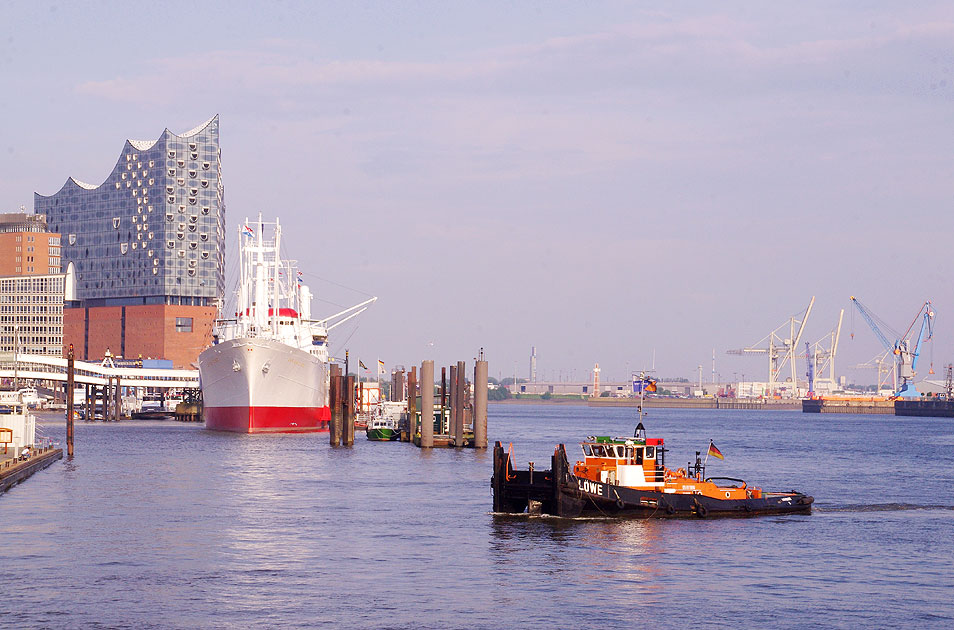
pixel 905 347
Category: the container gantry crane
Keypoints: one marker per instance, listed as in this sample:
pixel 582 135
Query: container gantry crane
pixel 905 347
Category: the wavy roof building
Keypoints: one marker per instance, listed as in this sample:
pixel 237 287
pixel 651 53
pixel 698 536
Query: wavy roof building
pixel 149 239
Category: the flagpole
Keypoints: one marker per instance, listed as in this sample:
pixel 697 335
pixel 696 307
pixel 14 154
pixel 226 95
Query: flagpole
pixel 707 454
pixel 642 388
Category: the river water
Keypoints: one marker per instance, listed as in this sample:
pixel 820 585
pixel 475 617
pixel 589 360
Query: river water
pixel 167 525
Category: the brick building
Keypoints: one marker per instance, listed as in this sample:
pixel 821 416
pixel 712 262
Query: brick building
pixel 31 286
pixel 27 247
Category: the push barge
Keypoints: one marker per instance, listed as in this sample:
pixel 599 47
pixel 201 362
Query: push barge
pixel 627 477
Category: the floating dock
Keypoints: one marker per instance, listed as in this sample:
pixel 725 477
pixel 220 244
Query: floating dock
pixel 15 470
pixel 879 406
pixel 922 407
pixel 925 407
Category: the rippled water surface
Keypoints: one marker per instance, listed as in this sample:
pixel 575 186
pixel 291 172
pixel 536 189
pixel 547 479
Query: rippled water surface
pixel 166 525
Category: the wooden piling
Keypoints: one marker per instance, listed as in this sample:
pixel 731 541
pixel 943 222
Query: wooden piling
pixel 480 404
pixel 461 402
pixel 348 436
pixel 118 402
pixel 397 386
pixel 427 405
pixel 452 396
pixel 461 399
pixel 412 403
pixel 443 397
pixel 334 427
pixel 70 380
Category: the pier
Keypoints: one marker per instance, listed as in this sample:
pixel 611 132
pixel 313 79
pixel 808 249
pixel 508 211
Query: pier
pixel 13 469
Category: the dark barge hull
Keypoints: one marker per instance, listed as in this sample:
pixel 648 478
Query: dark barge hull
pixel 559 493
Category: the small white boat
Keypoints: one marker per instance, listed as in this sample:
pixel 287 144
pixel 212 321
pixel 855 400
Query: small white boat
pixel 17 424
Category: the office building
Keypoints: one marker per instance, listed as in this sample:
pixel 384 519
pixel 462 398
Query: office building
pixel 31 314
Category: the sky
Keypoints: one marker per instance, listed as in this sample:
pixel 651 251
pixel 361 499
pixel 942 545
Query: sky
pixel 633 184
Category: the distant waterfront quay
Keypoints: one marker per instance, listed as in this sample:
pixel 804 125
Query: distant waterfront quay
pixel 209 529
pixel 660 403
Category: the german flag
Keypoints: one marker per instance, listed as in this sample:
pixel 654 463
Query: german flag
pixel 714 451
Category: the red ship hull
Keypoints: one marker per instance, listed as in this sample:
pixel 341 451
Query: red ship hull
pixel 267 419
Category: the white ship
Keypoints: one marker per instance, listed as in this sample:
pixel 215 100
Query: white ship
pixel 267 370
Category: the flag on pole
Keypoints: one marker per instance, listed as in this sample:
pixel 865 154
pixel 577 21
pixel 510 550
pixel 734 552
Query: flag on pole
pixel 643 384
pixel 381 369
pixel 300 281
pixel 714 451
pixel 362 365
pixel 247 231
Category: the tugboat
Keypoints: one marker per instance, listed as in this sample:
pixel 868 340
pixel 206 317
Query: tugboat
pixel 625 476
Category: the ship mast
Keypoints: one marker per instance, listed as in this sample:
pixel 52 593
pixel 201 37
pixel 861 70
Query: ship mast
pixel 276 276
pixel 241 303
pixel 261 284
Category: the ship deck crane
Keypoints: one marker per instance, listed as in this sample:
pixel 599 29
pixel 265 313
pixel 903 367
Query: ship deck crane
pixel 905 347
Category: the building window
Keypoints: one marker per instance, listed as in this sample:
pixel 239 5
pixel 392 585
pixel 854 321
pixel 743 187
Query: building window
pixel 184 324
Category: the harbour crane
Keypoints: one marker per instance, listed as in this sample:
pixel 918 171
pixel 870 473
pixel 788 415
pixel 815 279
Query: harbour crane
pixel 822 356
pixel 905 347
pixel 781 350
pixel 811 370
pixel 887 370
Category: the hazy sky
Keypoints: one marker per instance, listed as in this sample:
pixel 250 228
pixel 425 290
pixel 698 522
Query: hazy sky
pixel 599 179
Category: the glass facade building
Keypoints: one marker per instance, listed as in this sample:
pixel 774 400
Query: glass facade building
pixel 154 231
